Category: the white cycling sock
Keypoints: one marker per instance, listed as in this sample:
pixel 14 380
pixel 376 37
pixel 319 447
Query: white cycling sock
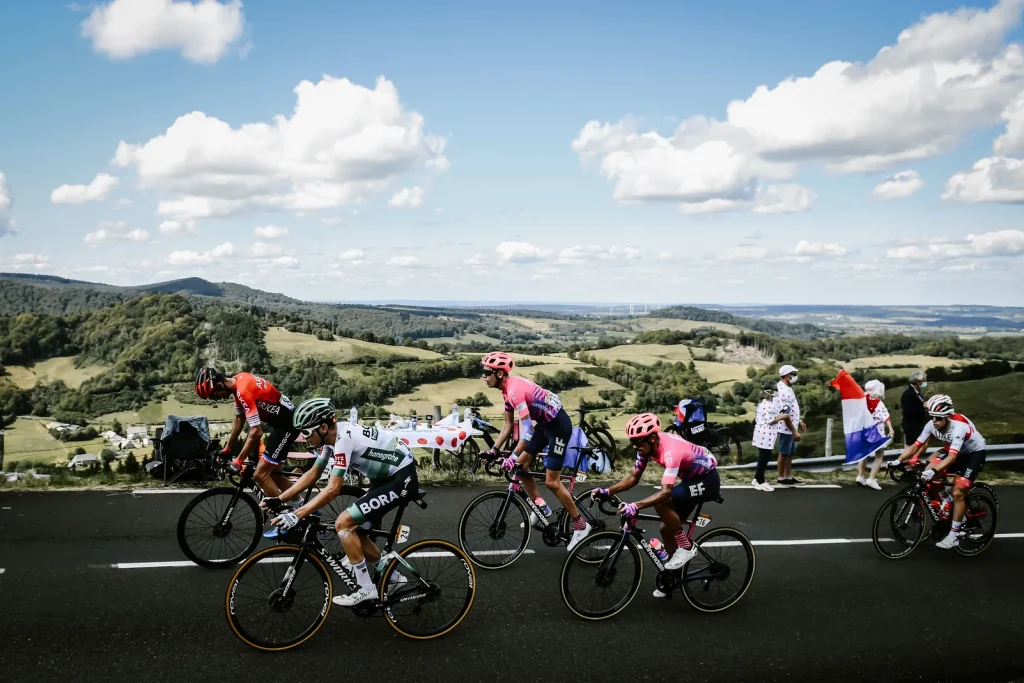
pixel 362 574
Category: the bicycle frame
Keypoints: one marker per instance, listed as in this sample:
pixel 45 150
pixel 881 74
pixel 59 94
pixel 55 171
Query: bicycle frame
pixel 516 489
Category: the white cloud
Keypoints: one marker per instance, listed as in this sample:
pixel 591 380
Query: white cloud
pixel 520 252
pixel 405 262
pixel 137 235
pixel 289 262
pixel 407 198
pixel 476 261
pixel 177 228
pixel 584 254
pixel 666 256
pixel 786 198
pixel 270 232
pixel 898 186
pixel 5 193
pixel 993 179
pixel 25 261
pixel 343 143
pixel 987 244
pixel 122 202
pixel 95 191
pixel 353 257
pixel 261 250
pixel 111 231
pixel 805 248
pixel 948 74
pixel 202 31
pixel 194 258
pixel 745 254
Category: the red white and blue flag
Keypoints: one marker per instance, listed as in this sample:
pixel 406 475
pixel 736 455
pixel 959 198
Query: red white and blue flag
pixel 862 435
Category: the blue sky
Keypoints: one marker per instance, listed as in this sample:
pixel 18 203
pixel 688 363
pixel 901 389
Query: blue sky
pixel 547 151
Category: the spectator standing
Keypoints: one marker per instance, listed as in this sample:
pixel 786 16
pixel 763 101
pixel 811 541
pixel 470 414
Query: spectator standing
pixel 875 391
pixel 915 417
pixel 789 427
pixel 765 434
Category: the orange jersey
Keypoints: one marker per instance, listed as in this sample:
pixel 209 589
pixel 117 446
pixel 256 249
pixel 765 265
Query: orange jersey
pixel 260 401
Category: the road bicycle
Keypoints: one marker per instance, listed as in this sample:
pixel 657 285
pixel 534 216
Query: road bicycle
pixel 600 438
pixel 903 521
pixel 717 438
pixel 495 527
pixel 280 597
pixel 223 525
pixel 607 567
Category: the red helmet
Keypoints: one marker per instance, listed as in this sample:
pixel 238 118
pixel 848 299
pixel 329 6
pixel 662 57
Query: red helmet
pixel 643 425
pixel 206 381
pixel 497 360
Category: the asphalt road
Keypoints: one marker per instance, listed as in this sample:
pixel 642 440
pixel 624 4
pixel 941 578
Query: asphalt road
pixel 824 612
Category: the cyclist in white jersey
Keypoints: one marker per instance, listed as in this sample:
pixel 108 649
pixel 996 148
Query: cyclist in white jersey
pixel 962 453
pixel 375 453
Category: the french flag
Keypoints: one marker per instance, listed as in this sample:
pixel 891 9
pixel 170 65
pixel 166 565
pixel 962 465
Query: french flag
pixel 862 435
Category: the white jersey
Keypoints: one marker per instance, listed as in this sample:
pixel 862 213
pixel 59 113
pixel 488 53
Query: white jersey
pixel 374 453
pixel 960 435
pixel 786 404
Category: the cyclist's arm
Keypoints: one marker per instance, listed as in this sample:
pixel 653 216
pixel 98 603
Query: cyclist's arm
pixel 947 461
pixel 329 493
pixel 506 431
pixel 252 442
pixel 309 478
pixel 913 449
pixel 236 429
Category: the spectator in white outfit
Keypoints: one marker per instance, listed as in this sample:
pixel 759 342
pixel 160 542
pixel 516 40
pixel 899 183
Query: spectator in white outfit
pixel 765 435
pixel 875 391
pixel 789 427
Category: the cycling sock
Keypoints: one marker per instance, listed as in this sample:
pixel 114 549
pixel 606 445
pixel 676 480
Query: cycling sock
pixel 956 526
pixel 682 540
pixel 579 524
pixel 362 575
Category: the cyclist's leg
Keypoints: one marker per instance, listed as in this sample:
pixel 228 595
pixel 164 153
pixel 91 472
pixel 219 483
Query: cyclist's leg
pixel 670 525
pixel 557 440
pixel 533 447
pixel 685 497
pixel 268 472
pixel 967 467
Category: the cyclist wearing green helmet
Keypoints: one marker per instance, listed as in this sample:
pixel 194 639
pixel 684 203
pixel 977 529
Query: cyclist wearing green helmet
pixel 377 454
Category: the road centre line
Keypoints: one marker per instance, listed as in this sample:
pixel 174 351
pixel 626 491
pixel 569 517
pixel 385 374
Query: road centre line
pixel 188 563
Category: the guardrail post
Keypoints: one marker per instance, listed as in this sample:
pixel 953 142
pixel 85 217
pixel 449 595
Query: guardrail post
pixel 828 437
pixel 1 450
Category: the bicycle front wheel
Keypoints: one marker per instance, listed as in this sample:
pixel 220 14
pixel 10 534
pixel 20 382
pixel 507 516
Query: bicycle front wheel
pixel 494 529
pixel 899 526
pixel 438 589
pixel 602 575
pixel 721 571
pixel 220 527
pixel 269 610
pixel 591 511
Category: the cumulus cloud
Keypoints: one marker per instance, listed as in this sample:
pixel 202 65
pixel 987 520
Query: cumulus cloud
pixel 194 258
pixel 520 252
pixel 6 222
pixel 177 228
pixel 407 198
pixel 949 73
pixel 584 254
pixel 201 31
pixel 748 253
pixel 95 191
pixel 405 262
pixel 987 244
pixel 27 261
pixel 898 186
pixel 122 202
pixel 114 231
pixel 261 250
pixel 353 257
pixel 993 179
pixel 806 248
pixel 270 232
pixel 343 143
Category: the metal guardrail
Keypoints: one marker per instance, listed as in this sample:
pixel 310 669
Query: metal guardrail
pixel 1010 452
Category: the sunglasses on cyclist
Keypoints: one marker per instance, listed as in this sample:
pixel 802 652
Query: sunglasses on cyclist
pixel 306 433
pixel 488 373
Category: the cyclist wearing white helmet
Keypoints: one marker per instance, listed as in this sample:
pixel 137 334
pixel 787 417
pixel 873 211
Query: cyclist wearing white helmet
pixel 963 454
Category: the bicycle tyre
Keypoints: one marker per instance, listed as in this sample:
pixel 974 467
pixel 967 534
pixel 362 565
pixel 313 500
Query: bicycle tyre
pixel 483 560
pixel 330 513
pixel 599 437
pixel 974 550
pixel 283 551
pixel 573 562
pixel 245 502
pixel 881 517
pixel 688 586
pixel 591 510
pixel 423 547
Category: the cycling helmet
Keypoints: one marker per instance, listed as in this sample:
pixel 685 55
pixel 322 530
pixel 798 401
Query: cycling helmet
pixel 874 389
pixel 313 413
pixel 497 360
pixel 643 425
pixel 206 381
pixel 939 405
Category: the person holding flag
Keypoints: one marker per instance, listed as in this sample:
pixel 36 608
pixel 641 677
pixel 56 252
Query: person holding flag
pixel 863 436
pixel 875 391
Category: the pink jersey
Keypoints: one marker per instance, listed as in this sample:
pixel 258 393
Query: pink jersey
pixel 680 458
pixel 529 401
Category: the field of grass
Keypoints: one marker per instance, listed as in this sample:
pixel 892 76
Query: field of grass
pixel 720 372
pixel 284 345
pixel 920 362
pixel 29 440
pixel 675 324
pixel 464 339
pixel 646 354
pixel 51 370
pixel 156 413
pixel 529 323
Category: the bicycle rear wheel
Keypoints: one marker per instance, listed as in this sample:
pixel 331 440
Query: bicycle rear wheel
pixel 220 527
pixel 439 589
pixel 266 610
pixel 721 572
pixel 980 523
pixel 602 575
pixel 599 437
pixel 899 526
pixel 492 542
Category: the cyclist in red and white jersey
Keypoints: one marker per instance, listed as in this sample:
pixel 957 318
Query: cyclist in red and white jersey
pixel 542 422
pixel 963 453
pixel 257 401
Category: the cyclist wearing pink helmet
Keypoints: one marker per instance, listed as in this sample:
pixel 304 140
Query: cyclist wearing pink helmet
pixel 693 464
pixel 542 422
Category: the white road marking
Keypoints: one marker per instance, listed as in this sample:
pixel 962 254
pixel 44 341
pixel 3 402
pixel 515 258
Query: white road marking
pixel 144 492
pixel 271 560
pixel 748 487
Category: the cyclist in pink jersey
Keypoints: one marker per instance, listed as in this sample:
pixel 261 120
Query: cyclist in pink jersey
pixel 542 422
pixel 693 464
